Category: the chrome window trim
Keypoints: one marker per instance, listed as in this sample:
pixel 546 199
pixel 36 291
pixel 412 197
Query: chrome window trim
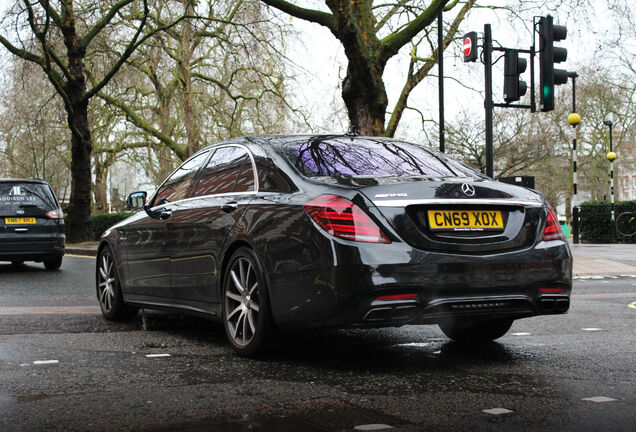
pixel 204 196
pixel 452 201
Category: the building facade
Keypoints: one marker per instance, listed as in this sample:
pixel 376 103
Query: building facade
pixel 626 172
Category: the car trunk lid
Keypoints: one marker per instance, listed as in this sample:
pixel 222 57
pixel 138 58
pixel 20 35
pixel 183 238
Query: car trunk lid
pixel 460 215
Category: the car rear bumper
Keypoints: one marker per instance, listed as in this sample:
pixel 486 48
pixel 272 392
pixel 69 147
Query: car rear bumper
pixel 32 249
pixel 442 286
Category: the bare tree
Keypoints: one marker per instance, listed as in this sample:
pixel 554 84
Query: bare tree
pixel 371 34
pixel 59 41
pixel 218 73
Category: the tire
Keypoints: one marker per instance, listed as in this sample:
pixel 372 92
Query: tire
pixel 53 263
pixel 247 316
pixel 475 331
pixel 108 286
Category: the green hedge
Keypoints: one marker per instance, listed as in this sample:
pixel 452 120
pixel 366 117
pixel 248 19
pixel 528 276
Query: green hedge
pixel 101 222
pixel 595 221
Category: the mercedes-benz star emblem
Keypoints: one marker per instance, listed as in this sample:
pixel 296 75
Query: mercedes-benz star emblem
pixel 468 190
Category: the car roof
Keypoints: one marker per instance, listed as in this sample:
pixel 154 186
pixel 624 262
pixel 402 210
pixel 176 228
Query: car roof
pixel 22 180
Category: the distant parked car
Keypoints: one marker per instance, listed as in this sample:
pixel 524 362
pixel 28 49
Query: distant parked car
pixel 31 223
pixel 305 232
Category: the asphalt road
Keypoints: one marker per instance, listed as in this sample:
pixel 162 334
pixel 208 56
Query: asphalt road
pixel 98 376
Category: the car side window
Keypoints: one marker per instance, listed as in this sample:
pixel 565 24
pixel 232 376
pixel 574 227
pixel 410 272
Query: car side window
pixel 271 178
pixel 178 184
pixel 229 170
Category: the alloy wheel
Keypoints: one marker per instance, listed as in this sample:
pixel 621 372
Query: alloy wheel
pixel 242 301
pixel 106 280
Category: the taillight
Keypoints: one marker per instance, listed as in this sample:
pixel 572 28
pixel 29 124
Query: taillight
pixel 55 214
pixel 552 229
pixel 342 218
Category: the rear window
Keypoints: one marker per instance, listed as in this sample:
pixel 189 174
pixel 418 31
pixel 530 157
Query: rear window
pixel 369 157
pixel 14 195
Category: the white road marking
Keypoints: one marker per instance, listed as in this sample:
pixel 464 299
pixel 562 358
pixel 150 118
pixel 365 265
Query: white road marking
pixel 42 362
pixel 592 329
pixel 372 427
pixel 497 411
pixel 520 334
pixel 49 310
pixel 599 399
pixel 416 344
pixel 157 355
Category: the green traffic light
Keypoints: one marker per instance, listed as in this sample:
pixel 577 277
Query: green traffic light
pixel 546 91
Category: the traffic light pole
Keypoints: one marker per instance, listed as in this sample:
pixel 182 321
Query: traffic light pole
pixel 440 65
pixel 574 123
pixel 488 103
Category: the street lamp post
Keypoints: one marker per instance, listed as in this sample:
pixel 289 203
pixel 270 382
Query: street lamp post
pixel 611 156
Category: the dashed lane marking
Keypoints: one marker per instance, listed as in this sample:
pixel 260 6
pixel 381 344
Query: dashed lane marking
pixel 497 411
pixel 157 355
pixel 592 329
pixel 43 362
pixel 604 295
pixel 520 334
pixel 598 277
pixel 599 399
pixel 372 427
pixel 49 310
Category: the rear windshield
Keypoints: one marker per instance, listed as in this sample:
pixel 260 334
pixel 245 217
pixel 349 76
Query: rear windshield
pixel 368 157
pixel 14 195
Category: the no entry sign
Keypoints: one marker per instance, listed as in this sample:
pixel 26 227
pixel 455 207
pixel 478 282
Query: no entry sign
pixel 470 47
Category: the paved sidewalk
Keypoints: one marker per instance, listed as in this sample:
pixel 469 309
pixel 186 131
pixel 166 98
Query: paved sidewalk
pixel 604 259
pixel 589 259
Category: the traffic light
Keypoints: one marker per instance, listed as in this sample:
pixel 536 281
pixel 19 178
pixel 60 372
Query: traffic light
pixel 514 88
pixel 548 56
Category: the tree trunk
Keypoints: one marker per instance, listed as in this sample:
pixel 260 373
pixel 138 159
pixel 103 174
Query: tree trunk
pixel 365 97
pixel 101 177
pixel 78 227
pixel 363 90
pixel 185 77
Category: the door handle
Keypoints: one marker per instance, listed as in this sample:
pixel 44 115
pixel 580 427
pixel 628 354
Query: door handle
pixel 229 207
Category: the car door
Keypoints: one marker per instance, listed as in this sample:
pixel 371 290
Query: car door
pixel 148 240
pixel 203 223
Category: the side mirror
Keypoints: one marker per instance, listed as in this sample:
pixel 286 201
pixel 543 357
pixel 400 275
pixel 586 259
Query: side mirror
pixel 136 200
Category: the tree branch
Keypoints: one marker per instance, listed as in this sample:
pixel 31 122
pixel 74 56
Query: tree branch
pixel 318 17
pixel 132 46
pixel 99 26
pixel 135 119
pixel 392 43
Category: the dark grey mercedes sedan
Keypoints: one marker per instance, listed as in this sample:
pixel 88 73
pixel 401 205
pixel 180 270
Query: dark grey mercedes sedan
pixel 293 233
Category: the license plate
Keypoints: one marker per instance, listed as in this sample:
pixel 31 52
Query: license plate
pixel 465 220
pixel 19 221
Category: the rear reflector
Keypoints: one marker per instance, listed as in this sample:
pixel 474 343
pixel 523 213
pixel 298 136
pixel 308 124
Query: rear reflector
pixel 552 229
pixel 342 218
pixel 551 290
pixel 397 297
